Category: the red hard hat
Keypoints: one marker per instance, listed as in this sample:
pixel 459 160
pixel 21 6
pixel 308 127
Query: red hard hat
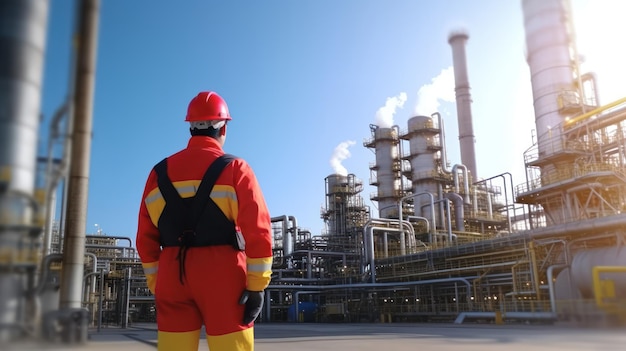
pixel 207 106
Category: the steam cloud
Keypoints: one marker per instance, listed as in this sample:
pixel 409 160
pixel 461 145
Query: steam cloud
pixel 384 115
pixel 341 153
pixel 441 88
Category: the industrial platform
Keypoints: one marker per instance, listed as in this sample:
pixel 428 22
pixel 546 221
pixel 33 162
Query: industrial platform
pixel 364 337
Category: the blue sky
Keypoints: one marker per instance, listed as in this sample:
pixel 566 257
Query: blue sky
pixel 300 78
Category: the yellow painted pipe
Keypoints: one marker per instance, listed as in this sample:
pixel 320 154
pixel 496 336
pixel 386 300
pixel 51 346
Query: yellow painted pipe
pixel 570 123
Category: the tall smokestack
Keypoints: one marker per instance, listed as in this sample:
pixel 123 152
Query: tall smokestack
pixel 457 41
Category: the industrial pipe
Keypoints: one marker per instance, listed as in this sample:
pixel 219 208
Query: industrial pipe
pixel 53 176
pixel 551 289
pixel 432 210
pixel 458 210
pixel 455 174
pixel 287 243
pixel 130 242
pixel 506 197
pixel 446 203
pixel 22 44
pixel 110 247
pixel 464 281
pixel 294 232
pixel 78 187
pixel 368 235
pixel 444 153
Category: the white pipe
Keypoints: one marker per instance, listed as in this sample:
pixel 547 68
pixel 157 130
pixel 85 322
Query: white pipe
pixel 368 236
pixel 455 174
pixel 444 153
pixel 475 207
pixel 130 243
pixel 432 208
pixel 294 233
pixel 53 176
pixel 465 282
pixel 412 240
pixel 458 210
pixel 489 205
pixel 551 288
pixel 385 245
pixel 287 244
pixel 296 297
pixel 446 203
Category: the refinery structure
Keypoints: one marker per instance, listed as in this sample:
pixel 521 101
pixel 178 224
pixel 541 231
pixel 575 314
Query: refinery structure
pixel 447 244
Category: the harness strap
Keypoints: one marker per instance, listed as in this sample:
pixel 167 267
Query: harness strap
pixel 200 202
pixel 206 185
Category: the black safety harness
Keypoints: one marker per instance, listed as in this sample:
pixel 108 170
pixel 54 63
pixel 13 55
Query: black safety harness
pixel 194 221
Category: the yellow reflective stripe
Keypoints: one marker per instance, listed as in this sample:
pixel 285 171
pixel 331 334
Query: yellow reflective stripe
pixel 223 195
pixel 225 198
pixel 150 270
pixel 259 273
pixel 153 196
pixel 259 267
pixel 185 190
pixel 265 262
pixel 150 267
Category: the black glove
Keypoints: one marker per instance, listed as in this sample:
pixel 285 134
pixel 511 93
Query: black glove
pixel 254 303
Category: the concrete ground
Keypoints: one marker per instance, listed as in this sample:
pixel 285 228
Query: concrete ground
pixel 385 337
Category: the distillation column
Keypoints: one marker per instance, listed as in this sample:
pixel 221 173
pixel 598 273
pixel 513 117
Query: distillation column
pixel 550 47
pixel 336 204
pixel 387 168
pixel 551 66
pixel 424 144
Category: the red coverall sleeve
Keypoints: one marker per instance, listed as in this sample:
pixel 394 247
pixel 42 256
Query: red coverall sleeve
pixel 253 219
pixel 147 240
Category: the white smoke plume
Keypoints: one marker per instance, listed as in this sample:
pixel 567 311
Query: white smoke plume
pixel 341 153
pixel 441 88
pixel 384 115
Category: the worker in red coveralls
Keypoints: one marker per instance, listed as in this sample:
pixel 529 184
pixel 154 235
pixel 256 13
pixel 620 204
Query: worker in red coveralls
pixel 204 238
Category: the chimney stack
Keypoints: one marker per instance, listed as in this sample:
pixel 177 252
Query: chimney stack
pixel 457 41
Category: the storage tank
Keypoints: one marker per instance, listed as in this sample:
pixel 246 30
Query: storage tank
pixel 584 261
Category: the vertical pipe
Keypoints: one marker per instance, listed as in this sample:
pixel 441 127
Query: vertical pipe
pixel 457 41
pixel 551 288
pixel 126 307
pixel 100 300
pixel 309 266
pixel 268 305
pixel 385 244
pixel 74 242
pixel 22 47
pixel 535 269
